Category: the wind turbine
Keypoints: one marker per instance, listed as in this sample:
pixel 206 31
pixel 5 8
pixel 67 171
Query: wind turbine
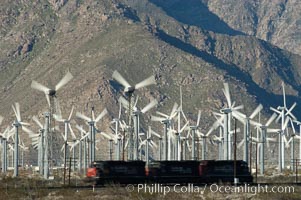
pixel 38 143
pixel 227 121
pixel 282 112
pixel 51 96
pixel 92 121
pixel 83 139
pixel 51 93
pixel 263 128
pixel 166 120
pixel 148 142
pixel 246 121
pixel 67 125
pixel 193 129
pixel 18 123
pixel 136 117
pixel 4 138
pixel 128 89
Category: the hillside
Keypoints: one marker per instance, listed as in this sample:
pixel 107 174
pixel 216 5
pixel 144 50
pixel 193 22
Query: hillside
pixel 181 44
pixel 277 22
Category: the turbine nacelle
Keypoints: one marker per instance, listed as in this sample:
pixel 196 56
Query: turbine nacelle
pixel 51 92
pixel 226 110
pixel 129 90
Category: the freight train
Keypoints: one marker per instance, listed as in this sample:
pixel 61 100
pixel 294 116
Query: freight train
pixel 134 172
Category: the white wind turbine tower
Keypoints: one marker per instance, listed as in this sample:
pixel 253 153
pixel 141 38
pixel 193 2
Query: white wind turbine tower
pixel 51 96
pixel 82 146
pixel 128 89
pixel 73 144
pixel 117 122
pixel 38 143
pixel 299 137
pixel 205 136
pixel 193 129
pixel 219 139
pixel 166 120
pixel 23 149
pixel 283 111
pixel 180 111
pixel 67 127
pixel 148 142
pixel 18 123
pixel 136 118
pixel 263 128
pixel 92 121
pixel 177 138
pixel 4 138
pixel 291 143
pixel 246 121
pixel 227 121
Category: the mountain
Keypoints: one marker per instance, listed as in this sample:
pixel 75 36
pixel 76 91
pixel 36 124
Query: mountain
pixel 195 44
pixel 277 22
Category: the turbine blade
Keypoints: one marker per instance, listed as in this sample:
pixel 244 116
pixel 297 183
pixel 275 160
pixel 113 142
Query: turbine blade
pixel 58 117
pixel 241 143
pixel 162 114
pixel 227 94
pixel 183 128
pixel 238 116
pixel 289 112
pixel 275 110
pixel 285 123
pixel 101 115
pixel 120 79
pixel 271 119
pixel 256 111
pixel 293 127
pixel 174 110
pixel 24 124
pixel 199 118
pixel 69 118
pixel 80 128
pixel 48 99
pixel 149 81
pixel 156 134
pixel 64 81
pixel 238 107
pixel 283 89
pixel 124 102
pixel 119 114
pixel 71 131
pixel 255 123
pixel 40 87
pixel 18 111
pixel 16 114
pixel 78 114
pixel 273 130
pixel 34 118
pixel 27 130
pixel 157 119
pixel 106 135
pixel 149 106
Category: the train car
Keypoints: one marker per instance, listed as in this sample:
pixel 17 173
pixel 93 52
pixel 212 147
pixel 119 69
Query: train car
pixel 173 171
pixel 123 172
pixel 134 172
pixel 215 171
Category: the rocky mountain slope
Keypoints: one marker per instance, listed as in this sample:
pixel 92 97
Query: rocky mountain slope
pixel 183 44
pixel 278 22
